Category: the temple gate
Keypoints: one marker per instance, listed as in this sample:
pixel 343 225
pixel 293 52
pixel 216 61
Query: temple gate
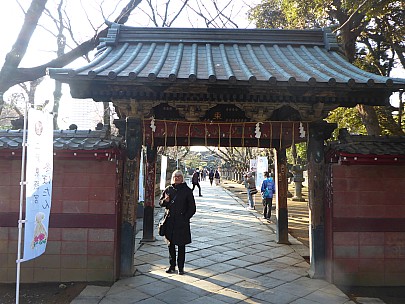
pixel 172 86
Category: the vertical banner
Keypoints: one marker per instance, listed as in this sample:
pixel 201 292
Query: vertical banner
pixel 38 190
pixel 141 197
pixel 163 169
pixel 262 166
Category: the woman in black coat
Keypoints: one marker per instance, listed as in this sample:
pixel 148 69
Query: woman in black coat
pixel 178 199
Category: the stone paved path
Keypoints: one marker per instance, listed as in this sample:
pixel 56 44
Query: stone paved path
pixel 234 258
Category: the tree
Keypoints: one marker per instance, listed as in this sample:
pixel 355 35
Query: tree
pixel 11 73
pixel 70 47
pixel 371 33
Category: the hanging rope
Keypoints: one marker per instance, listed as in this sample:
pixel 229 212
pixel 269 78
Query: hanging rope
pixel 293 134
pixel 219 136
pixel 230 136
pixel 281 133
pixel 189 134
pixel 205 134
pixel 165 135
pixel 152 139
pixel 271 135
pixel 175 134
pixel 307 135
pixel 243 135
pixel 144 133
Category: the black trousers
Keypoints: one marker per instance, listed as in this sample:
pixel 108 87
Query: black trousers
pixel 180 258
pixel 199 188
pixel 267 202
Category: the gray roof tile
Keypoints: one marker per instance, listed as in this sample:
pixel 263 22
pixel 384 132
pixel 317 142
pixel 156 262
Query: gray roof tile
pixel 369 145
pixel 245 55
pixel 65 140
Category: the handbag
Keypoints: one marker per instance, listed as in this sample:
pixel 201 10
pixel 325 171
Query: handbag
pixel 253 191
pixel 162 227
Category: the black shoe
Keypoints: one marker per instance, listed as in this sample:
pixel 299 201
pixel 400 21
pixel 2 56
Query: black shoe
pixel 181 271
pixel 170 270
pixel 200 195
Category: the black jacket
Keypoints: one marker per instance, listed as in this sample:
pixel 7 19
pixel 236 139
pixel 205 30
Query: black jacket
pixel 180 210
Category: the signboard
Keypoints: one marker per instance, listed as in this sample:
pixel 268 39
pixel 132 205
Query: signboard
pixel 141 196
pixel 163 169
pixel 253 165
pixel 39 174
pixel 262 166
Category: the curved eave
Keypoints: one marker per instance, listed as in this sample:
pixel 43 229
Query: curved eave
pixel 101 89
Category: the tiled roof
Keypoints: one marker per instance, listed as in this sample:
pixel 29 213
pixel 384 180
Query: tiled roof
pixel 65 140
pixel 369 145
pixel 223 55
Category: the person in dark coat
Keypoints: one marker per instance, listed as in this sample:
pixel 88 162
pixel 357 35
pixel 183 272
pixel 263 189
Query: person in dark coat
pixel 178 199
pixel 211 176
pixel 195 180
pixel 217 177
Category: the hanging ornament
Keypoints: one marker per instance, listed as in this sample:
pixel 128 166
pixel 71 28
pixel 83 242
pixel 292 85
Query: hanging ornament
pixel 302 130
pixel 152 124
pixel 258 133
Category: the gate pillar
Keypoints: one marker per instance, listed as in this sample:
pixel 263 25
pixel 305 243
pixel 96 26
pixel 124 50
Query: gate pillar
pixel 133 138
pixel 150 181
pixel 281 197
pixel 318 133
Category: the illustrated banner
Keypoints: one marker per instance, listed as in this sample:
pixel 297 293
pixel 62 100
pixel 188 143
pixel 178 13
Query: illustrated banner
pixel 39 174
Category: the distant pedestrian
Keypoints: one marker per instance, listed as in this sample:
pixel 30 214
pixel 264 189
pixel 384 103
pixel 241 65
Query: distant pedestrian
pixel 178 199
pixel 204 174
pixel 211 176
pixel 251 189
pixel 195 180
pixel 268 189
pixel 217 177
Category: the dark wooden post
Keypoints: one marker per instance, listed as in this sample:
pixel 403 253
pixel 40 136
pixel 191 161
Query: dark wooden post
pixel 318 132
pixel 150 181
pixel 281 197
pixel 133 138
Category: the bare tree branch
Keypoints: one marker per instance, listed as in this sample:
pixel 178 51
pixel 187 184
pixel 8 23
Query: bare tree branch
pixel 178 13
pixel 14 57
pixel 11 75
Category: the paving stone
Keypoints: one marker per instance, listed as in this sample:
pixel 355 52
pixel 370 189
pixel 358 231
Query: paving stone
pixel 234 258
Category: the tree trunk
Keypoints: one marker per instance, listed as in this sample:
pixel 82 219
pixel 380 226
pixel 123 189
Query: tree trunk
pixel 370 119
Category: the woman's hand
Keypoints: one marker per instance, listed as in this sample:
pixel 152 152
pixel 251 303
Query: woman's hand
pixel 167 198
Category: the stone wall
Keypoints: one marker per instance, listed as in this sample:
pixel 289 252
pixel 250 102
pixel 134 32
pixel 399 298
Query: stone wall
pixel 83 229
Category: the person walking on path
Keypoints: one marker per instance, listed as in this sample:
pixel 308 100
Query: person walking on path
pixel 178 199
pixel 211 176
pixel 217 177
pixel 251 188
pixel 267 189
pixel 195 180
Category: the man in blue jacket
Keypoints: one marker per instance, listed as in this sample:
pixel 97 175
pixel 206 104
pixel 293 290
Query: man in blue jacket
pixel 268 189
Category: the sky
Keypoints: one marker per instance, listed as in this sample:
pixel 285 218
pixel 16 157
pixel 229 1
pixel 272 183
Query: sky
pixel 43 44
pixel 80 11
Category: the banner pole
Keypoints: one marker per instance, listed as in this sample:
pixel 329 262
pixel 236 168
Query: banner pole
pixel 20 220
